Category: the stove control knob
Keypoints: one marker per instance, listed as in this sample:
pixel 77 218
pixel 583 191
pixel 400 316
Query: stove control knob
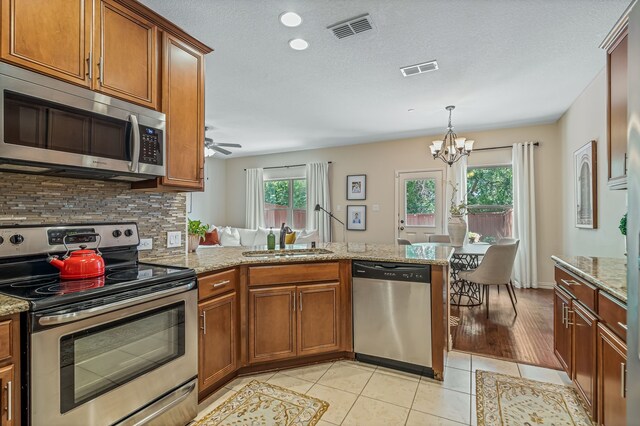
pixel 16 239
pixel 116 233
pixel 128 233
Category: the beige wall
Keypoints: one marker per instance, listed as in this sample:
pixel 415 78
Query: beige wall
pixel 379 161
pixel 584 121
pixel 209 206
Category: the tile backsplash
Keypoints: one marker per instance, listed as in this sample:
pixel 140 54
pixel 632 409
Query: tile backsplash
pixel 33 199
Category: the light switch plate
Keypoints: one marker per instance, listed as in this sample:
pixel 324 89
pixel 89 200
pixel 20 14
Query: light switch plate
pixel 174 239
pixel 145 244
pixel 376 207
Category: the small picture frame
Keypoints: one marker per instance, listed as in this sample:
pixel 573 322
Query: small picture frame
pixel 357 187
pixel 357 218
pixel 586 194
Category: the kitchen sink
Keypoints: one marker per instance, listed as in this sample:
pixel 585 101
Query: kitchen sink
pixel 287 253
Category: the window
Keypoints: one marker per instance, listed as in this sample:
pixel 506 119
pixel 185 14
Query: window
pixel 490 200
pixel 285 200
pixel 420 202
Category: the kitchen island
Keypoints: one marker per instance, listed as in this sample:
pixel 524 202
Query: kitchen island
pixel 261 313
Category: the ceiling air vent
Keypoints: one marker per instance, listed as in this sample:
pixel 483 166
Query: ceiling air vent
pixel 419 68
pixel 352 26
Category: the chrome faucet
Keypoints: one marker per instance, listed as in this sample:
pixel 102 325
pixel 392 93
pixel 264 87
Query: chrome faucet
pixel 284 230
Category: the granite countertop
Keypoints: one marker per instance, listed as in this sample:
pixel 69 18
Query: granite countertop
pixel 10 305
pixel 607 273
pixel 208 259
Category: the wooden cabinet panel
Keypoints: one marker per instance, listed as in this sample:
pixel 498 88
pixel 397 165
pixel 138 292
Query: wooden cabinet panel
pixel 218 339
pixel 612 363
pixel 562 342
pixel 215 284
pixel 584 292
pixel 585 330
pixel 7 396
pixel 613 314
pixel 125 45
pixel 183 102
pixel 293 274
pixel 6 340
pixel 272 323
pixel 318 318
pixel 52 37
pixel 617 111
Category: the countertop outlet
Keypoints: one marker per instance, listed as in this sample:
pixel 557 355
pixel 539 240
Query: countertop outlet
pixel 145 244
pixel 174 239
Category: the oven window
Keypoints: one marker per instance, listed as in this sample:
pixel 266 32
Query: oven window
pixel 99 359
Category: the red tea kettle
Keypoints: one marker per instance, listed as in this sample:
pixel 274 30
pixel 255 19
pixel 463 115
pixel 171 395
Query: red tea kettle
pixel 80 264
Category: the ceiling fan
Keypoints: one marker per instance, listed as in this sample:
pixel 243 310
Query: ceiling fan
pixel 217 146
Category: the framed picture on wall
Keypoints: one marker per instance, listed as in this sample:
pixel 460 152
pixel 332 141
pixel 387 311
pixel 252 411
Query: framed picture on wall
pixel 357 187
pixel 586 194
pixel 357 218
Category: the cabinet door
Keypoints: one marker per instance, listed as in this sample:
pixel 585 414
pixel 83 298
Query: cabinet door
pixel 183 102
pixel 272 323
pixel 52 37
pixel 318 318
pixel 612 374
pixel 218 339
pixel 617 110
pixel 126 54
pixel 562 329
pixel 7 396
pixel 585 336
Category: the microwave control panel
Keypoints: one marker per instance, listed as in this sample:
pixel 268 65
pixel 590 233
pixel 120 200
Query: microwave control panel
pixel 150 145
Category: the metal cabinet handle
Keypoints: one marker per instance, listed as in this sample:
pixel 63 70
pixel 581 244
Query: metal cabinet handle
pixel 569 311
pixel 9 388
pixel 293 305
pixel 300 300
pixel 570 282
pixel 204 322
pixel 89 67
pixel 221 283
pixel 623 380
pixel 564 315
pixel 623 325
pixel 101 67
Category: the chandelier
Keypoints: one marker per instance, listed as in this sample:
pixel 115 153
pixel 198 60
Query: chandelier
pixel 451 148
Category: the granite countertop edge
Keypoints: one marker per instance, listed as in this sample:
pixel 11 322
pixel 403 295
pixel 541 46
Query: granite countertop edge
pixel 10 305
pixel 602 285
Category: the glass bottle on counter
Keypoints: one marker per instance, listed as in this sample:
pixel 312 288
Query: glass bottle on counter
pixel 271 240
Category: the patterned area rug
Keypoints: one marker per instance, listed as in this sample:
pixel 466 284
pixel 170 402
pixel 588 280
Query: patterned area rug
pixel 506 400
pixel 261 403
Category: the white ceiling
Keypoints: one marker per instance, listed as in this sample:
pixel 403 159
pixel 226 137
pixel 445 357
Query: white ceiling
pixel 503 63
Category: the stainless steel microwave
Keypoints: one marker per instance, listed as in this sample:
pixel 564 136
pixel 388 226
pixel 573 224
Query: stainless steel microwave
pixel 55 128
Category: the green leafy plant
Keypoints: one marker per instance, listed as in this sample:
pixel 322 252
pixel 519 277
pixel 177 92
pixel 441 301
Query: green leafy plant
pixel 456 209
pixel 623 225
pixel 197 228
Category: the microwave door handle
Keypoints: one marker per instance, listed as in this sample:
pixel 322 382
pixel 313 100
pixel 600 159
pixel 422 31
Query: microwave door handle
pixel 135 145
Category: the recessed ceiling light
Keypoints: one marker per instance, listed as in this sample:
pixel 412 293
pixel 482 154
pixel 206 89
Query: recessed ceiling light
pixel 298 44
pixel 290 19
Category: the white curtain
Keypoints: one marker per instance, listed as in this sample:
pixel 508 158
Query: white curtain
pixel 456 175
pixel 254 199
pixel 318 193
pixel 525 269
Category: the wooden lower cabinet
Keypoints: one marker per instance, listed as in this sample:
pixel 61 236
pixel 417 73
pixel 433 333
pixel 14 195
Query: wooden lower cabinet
pixel 612 372
pixel 218 339
pixel 7 384
pixel 272 323
pixel 585 331
pixel 318 318
pixel 562 331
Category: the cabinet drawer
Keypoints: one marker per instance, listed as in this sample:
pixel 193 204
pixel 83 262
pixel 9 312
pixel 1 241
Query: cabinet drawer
pixel 218 283
pixel 613 314
pixel 578 288
pixel 293 274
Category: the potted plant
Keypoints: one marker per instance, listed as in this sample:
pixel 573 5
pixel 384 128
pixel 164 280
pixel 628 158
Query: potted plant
pixel 623 230
pixel 196 231
pixel 457 223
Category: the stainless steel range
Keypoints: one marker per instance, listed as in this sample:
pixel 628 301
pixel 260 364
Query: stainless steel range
pixel 116 349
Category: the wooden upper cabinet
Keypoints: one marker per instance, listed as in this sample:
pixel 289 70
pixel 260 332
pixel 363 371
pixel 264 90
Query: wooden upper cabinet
pixel 272 323
pixel 617 111
pixel 585 332
pixel 183 102
pixel 52 37
pixel 318 318
pixel 126 54
pixel 612 378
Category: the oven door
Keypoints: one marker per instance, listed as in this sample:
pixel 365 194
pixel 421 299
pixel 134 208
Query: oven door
pixel 103 368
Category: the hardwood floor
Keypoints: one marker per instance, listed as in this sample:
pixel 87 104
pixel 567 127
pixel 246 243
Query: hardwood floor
pixel 527 338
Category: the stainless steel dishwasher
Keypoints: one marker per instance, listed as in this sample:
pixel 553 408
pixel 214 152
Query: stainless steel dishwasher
pixel 392 315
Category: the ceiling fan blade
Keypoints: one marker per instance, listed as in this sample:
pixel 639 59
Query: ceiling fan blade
pixel 220 150
pixel 231 145
pixel 209 140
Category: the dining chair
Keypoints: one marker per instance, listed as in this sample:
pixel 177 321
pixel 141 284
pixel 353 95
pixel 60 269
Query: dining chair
pixel 494 270
pixel 435 238
pixel 403 242
pixel 504 241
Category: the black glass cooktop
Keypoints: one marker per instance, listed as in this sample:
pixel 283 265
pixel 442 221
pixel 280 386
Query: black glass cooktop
pixel 50 290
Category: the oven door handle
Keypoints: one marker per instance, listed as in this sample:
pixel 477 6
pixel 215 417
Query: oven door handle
pixel 50 320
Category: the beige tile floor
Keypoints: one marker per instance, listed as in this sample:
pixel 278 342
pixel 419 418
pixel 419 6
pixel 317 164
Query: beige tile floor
pixel 362 394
